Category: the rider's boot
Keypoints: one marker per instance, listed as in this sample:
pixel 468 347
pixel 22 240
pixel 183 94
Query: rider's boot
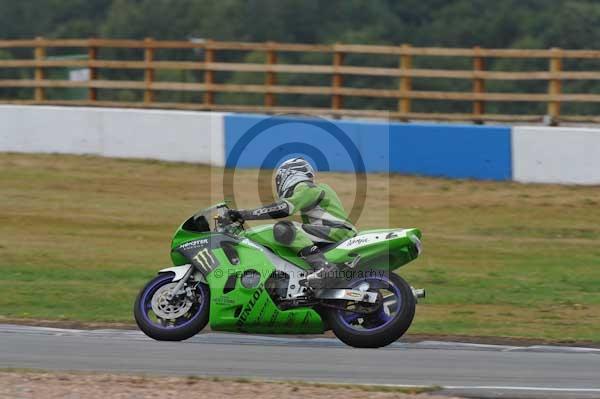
pixel 324 270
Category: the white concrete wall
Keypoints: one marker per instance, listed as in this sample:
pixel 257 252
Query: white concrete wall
pixel 556 155
pixel 154 134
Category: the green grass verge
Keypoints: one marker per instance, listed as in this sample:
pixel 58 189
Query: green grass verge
pixel 80 235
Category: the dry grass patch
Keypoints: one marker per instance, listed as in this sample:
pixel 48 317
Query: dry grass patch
pixel 80 235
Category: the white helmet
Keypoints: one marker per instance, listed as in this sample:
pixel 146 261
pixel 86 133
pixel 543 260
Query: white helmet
pixel 292 172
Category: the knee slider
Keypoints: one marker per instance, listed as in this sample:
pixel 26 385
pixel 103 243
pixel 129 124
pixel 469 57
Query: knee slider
pixel 284 232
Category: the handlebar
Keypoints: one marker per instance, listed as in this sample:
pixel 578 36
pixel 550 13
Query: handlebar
pixel 224 223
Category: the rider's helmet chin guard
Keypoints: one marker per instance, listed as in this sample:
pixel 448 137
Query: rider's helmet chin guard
pixel 292 172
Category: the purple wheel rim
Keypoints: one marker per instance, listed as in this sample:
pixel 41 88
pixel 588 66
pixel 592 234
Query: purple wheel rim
pixel 146 304
pixel 380 318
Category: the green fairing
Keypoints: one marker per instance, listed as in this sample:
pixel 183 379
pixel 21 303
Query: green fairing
pixel 389 254
pixel 256 311
pixel 377 255
pixel 252 310
pixel 264 236
pixel 182 236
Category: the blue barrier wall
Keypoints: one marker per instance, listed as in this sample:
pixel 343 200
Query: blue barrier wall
pixel 256 141
pixel 458 151
pixel 479 152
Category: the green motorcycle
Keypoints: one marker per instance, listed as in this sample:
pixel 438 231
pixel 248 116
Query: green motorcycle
pixel 242 280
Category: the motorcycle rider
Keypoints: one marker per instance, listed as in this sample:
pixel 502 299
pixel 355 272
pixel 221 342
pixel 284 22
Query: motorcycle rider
pixel 323 216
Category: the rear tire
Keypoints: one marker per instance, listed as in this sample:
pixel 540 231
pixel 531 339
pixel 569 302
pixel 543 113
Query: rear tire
pixel 177 333
pixel 385 335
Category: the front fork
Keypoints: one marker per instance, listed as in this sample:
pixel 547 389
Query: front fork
pixel 180 284
pixel 182 275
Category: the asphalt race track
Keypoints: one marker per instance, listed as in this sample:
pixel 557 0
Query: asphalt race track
pixel 461 369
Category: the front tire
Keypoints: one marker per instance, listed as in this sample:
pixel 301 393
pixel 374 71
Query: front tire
pixel 376 331
pixel 179 329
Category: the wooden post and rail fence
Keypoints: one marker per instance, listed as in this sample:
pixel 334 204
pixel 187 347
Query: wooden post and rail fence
pixel 208 64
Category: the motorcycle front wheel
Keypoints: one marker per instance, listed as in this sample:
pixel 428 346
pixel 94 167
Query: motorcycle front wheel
pixel 375 325
pixel 176 319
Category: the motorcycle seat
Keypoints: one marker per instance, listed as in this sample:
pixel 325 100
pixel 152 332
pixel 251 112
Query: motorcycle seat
pixel 326 246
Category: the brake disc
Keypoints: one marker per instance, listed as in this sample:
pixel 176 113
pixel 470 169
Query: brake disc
pixel 173 309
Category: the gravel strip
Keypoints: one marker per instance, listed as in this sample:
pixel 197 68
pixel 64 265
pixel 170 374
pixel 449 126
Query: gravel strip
pixel 26 384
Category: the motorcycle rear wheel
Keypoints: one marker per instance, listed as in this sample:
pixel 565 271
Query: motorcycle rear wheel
pixel 382 327
pixel 179 329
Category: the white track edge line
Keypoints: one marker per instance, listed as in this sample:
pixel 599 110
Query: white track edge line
pixel 471 387
pixel 515 388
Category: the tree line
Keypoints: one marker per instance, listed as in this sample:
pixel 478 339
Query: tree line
pixel 572 24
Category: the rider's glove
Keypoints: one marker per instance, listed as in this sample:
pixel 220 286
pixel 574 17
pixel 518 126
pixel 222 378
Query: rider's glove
pixel 235 215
